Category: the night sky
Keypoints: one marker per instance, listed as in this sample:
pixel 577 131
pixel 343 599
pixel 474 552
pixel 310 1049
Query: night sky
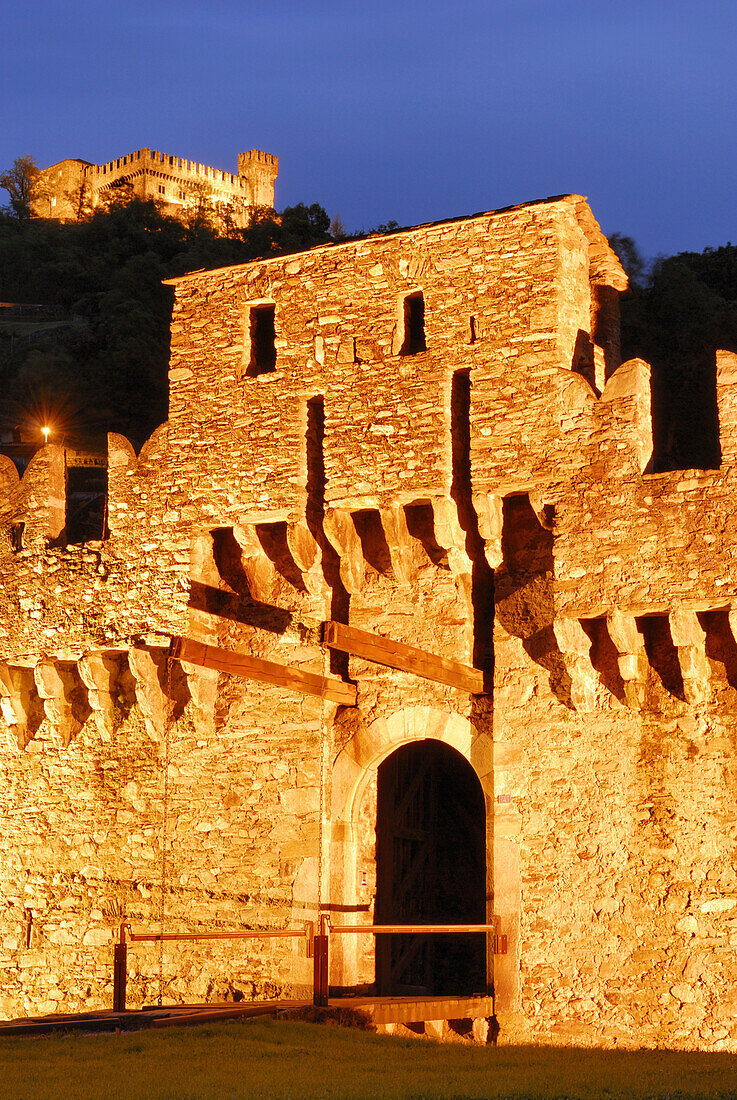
pixel 398 109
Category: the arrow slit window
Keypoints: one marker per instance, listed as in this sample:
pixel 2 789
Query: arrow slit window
pixel 414 324
pixel 262 331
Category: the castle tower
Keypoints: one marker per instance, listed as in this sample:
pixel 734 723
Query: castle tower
pixel 261 170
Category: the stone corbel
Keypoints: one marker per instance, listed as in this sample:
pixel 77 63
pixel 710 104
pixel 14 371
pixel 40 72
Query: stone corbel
pixel 64 697
pixel 488 508
pixel 261 573
pixel 340 531
pixel 599 367
pixel 19 703
pixel 399 541
pixel 733 620
pixel 689 638
pixel 202 682
pixel 104 674
pixel 149 668
pixel 202 686
pixel 451 536
pixel 633 663
pixel 347 349
pixel 307 556
pixel 575 648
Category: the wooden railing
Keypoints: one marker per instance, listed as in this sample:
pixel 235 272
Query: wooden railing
pixel 322 940
pixel 120 961
pixel 318 945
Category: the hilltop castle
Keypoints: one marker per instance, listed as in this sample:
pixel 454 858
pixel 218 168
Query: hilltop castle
pixel 388 622
pixel 73 186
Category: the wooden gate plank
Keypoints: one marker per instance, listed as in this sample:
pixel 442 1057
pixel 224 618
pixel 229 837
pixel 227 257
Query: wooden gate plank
pixel 384 651
pixel 269 672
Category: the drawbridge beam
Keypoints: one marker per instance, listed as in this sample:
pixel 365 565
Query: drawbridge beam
pixel 384 651
pixel 268 672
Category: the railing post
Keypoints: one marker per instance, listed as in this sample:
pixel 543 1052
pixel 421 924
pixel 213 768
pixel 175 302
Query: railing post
pixel 120 970
pixel 320 995
pixel 310 937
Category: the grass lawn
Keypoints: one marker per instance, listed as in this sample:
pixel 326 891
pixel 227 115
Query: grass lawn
pixel 268 1059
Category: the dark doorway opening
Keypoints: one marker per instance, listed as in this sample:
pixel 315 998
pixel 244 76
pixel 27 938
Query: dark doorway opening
pixel 431 869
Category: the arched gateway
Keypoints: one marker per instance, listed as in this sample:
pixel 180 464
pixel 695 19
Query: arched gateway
pixel 430 869
pixel 432 772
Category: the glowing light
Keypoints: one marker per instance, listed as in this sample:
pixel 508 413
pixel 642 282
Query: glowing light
pixel 46 432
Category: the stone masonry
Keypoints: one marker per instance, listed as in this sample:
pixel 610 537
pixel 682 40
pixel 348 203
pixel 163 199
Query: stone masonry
pixel 72 187
pixel 429 436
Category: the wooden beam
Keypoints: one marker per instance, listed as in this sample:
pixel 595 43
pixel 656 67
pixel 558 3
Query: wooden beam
pixel 269 672
pixel 384 651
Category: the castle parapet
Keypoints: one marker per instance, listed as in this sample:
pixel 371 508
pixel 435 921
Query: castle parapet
pixel 154 174
pixel 34 506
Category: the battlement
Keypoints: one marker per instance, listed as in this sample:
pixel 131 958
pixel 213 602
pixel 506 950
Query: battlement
pixel 267 159
pixel 170 179
pixel 148 157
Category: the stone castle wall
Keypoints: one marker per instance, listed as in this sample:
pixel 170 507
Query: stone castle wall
pixel 74 186
pixel 486 499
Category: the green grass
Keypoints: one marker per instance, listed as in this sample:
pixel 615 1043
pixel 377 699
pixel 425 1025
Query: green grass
pixel 282 1060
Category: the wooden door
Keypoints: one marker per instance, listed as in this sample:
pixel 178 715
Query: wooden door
pixel 431 868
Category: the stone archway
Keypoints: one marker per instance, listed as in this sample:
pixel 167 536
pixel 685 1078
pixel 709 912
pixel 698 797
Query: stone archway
pixel 430 868
pixel 355 768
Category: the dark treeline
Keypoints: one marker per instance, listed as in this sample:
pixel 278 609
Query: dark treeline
pixel 675 316
pixel 104 367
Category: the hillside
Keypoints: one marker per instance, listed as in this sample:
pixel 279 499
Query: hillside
pixel 89 350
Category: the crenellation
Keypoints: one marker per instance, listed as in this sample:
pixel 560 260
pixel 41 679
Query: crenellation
pixel 74 187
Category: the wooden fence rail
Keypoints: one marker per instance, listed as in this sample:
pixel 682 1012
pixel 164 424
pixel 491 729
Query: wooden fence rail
pixel 318 945
pixel 120 960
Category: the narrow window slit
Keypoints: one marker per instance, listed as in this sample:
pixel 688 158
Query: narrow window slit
pixel 414 324
pixel 263 340
pixel 315 443
pixel 16 536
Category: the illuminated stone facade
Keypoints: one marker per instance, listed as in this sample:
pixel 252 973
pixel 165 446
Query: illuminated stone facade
pixel 74 187
pixel 428 436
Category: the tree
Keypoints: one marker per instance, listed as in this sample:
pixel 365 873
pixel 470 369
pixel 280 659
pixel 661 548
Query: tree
pixel 303 227
pixel 199 207
pixel 24 185
pixel 337 229
pixel 80 200
pixel 679 311
pixel 384 227
pixel 630 258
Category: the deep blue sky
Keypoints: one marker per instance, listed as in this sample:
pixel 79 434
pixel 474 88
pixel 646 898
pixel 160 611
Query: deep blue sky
pixel 399 108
